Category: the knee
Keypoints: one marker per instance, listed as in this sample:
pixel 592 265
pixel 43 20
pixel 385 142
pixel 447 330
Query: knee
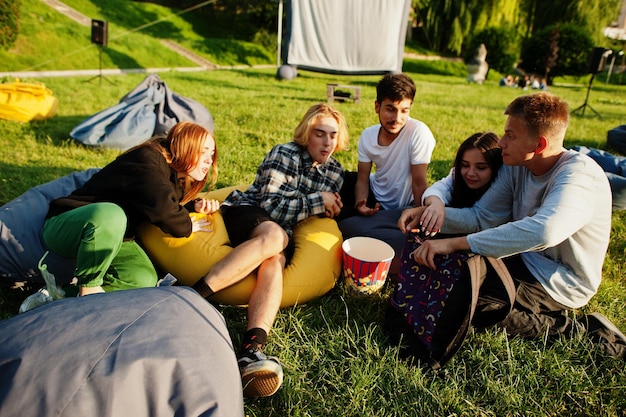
pixel 108 219
pixel 272 237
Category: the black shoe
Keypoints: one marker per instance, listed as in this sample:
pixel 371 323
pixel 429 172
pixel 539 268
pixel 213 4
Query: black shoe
pixel 261 375
pixel 603 331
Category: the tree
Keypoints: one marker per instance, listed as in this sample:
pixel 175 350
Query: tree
pixel 9 22
pixel 574 46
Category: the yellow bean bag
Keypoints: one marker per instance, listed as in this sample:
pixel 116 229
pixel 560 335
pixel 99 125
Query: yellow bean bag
pixel 24 102
pixel 313 271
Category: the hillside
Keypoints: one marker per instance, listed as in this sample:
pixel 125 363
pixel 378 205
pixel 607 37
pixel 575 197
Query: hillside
pixel 49 40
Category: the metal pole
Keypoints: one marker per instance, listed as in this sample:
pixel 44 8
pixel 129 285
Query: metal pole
pixel 280 32
pixel 608 75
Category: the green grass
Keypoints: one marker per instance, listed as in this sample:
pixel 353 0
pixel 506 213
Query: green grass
pixel 337 360
pixel 50 41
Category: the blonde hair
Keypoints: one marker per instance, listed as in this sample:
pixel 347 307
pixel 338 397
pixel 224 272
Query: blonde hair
pixel 182 148
pixel 316 112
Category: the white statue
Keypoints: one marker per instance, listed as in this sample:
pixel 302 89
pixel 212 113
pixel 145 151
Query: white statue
pixel 477 67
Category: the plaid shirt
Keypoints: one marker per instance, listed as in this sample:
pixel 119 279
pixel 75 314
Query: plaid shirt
pixel 288 185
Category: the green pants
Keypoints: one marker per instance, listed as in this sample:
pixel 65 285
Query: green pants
pixel 94 236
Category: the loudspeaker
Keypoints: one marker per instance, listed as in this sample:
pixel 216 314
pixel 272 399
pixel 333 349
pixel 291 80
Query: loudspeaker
pixel 99 32
pixel 598 58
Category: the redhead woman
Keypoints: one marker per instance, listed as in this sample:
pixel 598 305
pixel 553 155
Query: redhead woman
pixel 157 182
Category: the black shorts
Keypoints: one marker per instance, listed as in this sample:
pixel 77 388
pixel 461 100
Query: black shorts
pixel 240 221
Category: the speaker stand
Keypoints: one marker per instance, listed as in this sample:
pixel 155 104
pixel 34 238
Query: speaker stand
pixel 100 76
pixel 585 105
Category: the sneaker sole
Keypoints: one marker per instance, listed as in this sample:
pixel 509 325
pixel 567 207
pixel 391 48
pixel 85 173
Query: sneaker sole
pixel 608 324
pixel 261 379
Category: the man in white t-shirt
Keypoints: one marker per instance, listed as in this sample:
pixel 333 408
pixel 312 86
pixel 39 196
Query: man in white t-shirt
pixel 398 149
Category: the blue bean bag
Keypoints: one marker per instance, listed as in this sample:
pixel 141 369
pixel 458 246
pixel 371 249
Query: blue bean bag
pixel 21 232
pixel 150 109
pixel 616 139
pixel 160 351
pixel 614 167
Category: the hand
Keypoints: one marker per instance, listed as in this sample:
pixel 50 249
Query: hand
pixel 432 218
pixel 363 210
pixel 205 206
pixel 332 203
pixel 409 218
pixel 425 253
pixel 201 224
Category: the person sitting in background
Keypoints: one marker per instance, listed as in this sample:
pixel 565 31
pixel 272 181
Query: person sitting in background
pixel 296 180
pixel 548 214
pixel 157 182
pixel 507 81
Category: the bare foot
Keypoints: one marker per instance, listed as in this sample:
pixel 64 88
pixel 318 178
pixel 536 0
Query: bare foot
pixel 82 291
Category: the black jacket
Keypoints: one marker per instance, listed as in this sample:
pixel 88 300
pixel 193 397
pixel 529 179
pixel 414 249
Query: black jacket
pixel 143 185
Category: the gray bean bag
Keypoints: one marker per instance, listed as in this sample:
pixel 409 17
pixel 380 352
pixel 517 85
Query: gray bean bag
pixel 160 351
pixel 150 109
pixel 21 232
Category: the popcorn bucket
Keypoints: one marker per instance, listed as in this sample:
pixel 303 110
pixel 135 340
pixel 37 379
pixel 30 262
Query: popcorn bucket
pixel 366 263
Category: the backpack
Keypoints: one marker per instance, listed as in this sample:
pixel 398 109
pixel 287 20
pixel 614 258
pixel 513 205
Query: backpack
pixel 430 311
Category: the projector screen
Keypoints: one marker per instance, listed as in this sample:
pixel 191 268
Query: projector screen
pixel 346 36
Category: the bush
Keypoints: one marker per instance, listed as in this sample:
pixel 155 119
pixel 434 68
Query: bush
pixel 9 22
pixel 501 44
pixel 575 46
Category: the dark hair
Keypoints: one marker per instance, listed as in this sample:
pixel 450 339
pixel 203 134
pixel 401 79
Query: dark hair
pixel 395 87
pixel 487 144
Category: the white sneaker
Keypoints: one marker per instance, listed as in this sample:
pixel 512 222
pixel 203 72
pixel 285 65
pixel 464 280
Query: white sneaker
pixel 35 300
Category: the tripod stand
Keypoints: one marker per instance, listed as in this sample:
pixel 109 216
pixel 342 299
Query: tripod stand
pixel 587 99
pixel 100 75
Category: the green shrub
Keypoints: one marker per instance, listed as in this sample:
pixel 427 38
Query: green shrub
pixel 501 44
pixel 9 22
pixel 575 45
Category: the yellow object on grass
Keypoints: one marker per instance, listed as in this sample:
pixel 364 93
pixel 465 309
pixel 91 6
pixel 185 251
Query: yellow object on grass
pixel 24 102
pixel 313 271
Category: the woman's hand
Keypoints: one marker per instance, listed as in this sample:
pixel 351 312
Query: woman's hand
pixel 205 206
pixel 201 224
pixel 433 216
pixel 409 218
pixel 332 203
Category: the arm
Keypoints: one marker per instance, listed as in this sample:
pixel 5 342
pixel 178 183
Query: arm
pixel 362 188
pixel 435 198
pixel 419 181
pixel 426 252
pixel 140 182
pixel 287 194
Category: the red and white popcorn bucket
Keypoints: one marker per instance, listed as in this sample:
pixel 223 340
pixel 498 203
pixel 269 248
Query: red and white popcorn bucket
pixel 366 263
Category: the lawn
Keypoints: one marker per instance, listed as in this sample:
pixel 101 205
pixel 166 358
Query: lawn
pixel 337 360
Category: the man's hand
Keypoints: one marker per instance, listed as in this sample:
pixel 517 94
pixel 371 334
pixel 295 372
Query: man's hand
pixel 425 253
pixel 361 207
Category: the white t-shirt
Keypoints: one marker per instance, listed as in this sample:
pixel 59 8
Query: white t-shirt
pixel 391 181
